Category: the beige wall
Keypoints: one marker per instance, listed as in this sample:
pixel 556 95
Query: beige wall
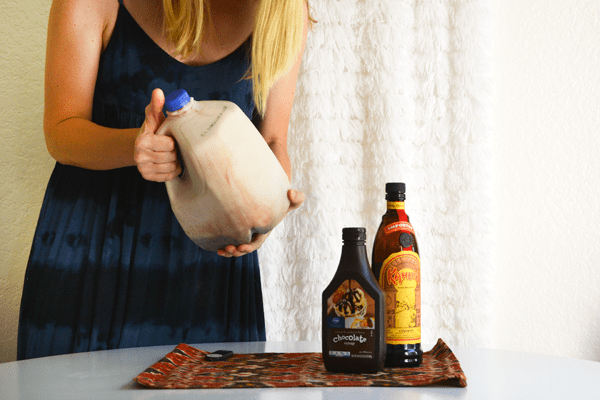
pixel 25 164
pixel 546 170
pixel 547 176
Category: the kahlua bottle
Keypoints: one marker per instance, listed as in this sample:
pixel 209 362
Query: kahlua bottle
pixel 397 266
pixel 353 334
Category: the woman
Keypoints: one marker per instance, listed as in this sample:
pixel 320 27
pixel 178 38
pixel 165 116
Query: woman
pixel 110 267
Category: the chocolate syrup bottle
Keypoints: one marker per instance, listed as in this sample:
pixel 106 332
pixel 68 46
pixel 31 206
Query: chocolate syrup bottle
pixel 397 267
pixel 353 331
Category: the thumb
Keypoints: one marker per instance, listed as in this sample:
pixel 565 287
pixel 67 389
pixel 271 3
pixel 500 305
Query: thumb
pixel 154 114
pixel 296 199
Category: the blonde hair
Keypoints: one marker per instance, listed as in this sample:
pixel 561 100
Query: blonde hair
pixel 276 37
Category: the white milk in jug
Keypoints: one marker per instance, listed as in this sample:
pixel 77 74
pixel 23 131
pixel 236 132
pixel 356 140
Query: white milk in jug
pixel 232 185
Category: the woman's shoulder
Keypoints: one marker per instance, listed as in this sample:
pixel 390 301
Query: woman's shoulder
pixel 86 15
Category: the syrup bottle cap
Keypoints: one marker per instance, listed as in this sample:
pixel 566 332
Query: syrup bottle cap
pixel 354 234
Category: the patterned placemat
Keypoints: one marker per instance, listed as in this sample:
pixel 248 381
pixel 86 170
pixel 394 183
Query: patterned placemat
pixel 185 368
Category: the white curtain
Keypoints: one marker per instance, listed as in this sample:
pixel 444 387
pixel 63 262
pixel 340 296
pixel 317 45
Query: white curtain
pixel 390 90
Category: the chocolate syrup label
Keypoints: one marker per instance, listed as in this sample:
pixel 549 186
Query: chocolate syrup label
pixel 350 322
pixel 400 280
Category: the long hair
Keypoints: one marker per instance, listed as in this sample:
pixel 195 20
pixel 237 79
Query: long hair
pixel 276 37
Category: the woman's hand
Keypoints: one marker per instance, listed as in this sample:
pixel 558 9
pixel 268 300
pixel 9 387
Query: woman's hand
pixel 296 199
pixel 156 156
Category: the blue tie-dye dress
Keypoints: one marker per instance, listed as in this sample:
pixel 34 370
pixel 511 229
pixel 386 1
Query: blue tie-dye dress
pixel 110 266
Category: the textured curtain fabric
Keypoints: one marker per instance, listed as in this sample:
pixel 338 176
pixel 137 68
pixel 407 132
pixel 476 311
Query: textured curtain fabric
pixel 390 90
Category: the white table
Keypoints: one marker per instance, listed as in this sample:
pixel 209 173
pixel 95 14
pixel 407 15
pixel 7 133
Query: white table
pixel 491 374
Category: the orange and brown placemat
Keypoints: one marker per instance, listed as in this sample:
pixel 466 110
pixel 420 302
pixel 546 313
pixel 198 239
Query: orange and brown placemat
pixel 185 368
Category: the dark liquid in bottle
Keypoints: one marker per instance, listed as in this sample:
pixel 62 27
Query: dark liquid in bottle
pixel 353 334
pixel 396 245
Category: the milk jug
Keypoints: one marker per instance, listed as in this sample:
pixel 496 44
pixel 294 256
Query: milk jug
pixel 232 185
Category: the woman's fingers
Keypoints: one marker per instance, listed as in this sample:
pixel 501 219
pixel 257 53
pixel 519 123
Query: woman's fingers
pixel 296 199
pixel 154 113
pixel 231 251
pixel 156 156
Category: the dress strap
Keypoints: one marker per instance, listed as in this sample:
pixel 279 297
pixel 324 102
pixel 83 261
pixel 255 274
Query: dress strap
pixel 120 2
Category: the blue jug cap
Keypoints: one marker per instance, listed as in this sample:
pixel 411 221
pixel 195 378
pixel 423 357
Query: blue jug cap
pixel 176 100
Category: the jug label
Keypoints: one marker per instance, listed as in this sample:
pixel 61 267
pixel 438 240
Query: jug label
pixel 400 280
pixel 350 322
pixel 218 117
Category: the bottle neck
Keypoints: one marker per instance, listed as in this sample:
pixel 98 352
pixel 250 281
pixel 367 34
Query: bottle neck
pixel 354 257
pixel 183 109
pixel 397 207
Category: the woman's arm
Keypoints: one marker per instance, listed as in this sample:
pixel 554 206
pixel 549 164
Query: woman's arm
pixel 78 31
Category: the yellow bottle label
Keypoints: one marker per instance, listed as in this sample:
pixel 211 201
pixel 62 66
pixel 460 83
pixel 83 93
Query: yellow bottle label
pixel 400 279
pixel 395 205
